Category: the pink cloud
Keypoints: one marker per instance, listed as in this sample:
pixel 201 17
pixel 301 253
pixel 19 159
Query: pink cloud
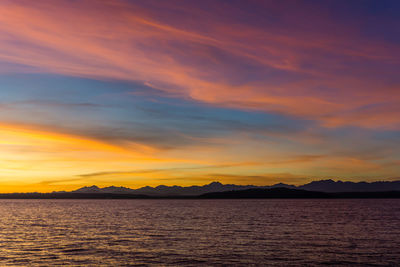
pixel 307 65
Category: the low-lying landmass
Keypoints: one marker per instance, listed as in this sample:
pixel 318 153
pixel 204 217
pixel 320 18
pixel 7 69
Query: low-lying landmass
pixel 215 190
pixel 297 193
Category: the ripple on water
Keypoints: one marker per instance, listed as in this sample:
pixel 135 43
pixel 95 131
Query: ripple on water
pixel 200 232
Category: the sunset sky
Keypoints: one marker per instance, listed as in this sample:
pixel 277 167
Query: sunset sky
pixel 135 93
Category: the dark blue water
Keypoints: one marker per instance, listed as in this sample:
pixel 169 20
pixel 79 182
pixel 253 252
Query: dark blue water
pixel 200 232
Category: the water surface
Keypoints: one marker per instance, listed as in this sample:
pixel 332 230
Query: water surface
pixel 359 232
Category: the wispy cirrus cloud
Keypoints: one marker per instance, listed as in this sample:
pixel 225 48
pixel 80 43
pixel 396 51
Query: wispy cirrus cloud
pixel 276 58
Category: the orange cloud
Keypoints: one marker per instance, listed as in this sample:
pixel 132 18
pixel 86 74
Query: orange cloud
pixel 36 158
pixel 30 154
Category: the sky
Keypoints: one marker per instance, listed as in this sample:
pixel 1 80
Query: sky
pixel 186 92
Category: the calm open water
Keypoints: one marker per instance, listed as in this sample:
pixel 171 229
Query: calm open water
pixel 200 232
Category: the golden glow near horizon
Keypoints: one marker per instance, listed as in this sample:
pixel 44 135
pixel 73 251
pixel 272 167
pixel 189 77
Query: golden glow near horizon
pixel 135 93
pixel 41 160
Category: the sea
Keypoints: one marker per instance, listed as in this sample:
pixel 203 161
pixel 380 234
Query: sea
pixel 189 232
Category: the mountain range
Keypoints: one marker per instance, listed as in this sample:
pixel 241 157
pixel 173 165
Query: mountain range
pixel 328 186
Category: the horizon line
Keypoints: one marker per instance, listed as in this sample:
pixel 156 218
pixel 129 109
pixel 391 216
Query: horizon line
pixel 397 179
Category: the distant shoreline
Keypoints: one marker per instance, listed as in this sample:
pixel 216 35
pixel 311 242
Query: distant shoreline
pixel 275 193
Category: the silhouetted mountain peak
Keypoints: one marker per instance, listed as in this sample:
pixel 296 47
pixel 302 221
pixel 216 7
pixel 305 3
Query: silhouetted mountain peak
pixel 214 185
pixel 161 187
pixel 88 189
pixel 327 181
pixel 117 189
pixel 282 185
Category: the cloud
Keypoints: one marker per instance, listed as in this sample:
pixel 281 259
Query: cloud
pixel 157 171
pixel 269 57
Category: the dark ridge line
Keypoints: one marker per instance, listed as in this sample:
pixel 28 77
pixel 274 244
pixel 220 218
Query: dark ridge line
pixel 256 193
pixel 328 186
